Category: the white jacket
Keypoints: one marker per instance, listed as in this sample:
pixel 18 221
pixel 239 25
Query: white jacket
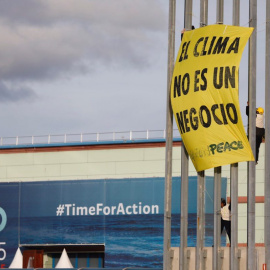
pixel 259 120
pixel 225 212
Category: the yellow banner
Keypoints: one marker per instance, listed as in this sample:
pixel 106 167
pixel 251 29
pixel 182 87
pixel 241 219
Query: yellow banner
pixel 204 95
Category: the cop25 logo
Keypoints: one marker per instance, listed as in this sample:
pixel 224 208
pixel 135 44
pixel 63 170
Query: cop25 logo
pixel 3 219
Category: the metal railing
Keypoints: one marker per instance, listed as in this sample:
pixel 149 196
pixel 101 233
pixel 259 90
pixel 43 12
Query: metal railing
pixel 86 137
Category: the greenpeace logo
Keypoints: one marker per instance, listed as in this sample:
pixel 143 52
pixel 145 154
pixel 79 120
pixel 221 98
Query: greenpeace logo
pixel 225 146
pixel 100 209
pixel 214 149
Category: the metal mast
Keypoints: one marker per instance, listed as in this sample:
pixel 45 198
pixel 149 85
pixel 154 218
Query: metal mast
pixel 201 175
pixel 251 256
pixel 267 140
pixel 234 179
pixel 184 172
pixel 217 180
pixel 169 141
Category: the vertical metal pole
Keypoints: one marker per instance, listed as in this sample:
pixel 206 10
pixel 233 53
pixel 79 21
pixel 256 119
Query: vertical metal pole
pixel 234 179
pixel 234 217
pixel 19 214
pixel 251 259
pixel 169 141
pixel 220 11
pixel 201 175
pixel 203 13
pixel 217 218
pixel 217 180
pixel 184 172
pixel 184 209
pixel 267 140
pixel 200 220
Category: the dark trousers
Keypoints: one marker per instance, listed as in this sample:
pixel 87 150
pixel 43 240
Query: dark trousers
pixel 258 143
pixel 227 225
pixel 259 136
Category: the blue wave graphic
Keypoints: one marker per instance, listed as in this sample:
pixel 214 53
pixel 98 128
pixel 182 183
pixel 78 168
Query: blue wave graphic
pixel 135 241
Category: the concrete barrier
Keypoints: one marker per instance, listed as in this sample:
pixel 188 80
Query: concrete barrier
pixel 225 258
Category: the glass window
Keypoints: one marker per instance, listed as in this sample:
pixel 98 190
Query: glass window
pixel 94 262
pixel 79 260
pixel 82 260
pixel 56 258
pixel 72 258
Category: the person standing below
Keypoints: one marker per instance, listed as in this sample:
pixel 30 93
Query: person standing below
pixel 226 217
pixel 260 131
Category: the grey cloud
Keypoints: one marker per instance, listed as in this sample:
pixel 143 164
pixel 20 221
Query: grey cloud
pixel 15 94
pixel 139 13
pixel 47 39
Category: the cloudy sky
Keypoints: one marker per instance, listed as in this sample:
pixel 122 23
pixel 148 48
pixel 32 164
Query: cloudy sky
pixel 78 66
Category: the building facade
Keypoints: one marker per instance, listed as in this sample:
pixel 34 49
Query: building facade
pixel 103 202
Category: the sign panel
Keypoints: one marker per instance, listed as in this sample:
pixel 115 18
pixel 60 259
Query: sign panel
pixel 204 95
pixel 126 215
pixel 9 222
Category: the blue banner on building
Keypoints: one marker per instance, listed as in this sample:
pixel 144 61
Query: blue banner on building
pixel 126 215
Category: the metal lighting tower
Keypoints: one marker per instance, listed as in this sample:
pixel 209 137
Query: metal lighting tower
pixel 184 172
pixel 267 140
pixel 251 252
pixel 234 265
pixel 169 141
pixel 217 179
pixel 201 175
